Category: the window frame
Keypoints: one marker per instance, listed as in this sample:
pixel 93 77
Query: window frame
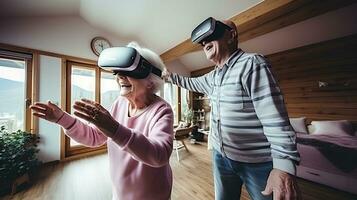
pixel 29 93
pixel 80 149
pixel 176 97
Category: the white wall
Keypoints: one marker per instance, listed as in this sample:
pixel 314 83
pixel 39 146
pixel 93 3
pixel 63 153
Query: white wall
pixel 49 89
pixel 63 35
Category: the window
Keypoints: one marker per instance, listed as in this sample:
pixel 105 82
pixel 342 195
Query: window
pixel 109 89
pixel 88 81
pixel 82 86
pixel 15 90
pixel 171 96
pixel 184 101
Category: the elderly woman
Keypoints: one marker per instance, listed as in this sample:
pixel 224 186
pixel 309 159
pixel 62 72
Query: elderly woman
pixel 138 129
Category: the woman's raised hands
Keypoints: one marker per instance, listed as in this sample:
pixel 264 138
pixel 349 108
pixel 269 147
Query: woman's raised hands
pixel 96 114
pixel 49 111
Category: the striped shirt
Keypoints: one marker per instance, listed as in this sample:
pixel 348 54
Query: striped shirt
pixel 249 121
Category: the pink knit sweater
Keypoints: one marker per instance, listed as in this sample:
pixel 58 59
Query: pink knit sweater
pixel 139 152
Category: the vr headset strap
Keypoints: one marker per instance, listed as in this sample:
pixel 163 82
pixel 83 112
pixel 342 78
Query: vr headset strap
pixel 154 69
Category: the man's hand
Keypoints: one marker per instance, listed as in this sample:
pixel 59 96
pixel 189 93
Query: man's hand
pixel 165 75
pixel 282 185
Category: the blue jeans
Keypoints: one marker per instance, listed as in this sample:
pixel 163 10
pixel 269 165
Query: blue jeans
pixel 229 176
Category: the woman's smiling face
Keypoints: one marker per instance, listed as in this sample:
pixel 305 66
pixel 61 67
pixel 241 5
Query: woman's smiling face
pixel 132 88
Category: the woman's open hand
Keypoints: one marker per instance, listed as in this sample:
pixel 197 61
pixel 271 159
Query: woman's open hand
pixel 49 111
pixel 94 113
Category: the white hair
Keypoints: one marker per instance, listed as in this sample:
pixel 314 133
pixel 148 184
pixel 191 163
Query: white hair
pixel 155 60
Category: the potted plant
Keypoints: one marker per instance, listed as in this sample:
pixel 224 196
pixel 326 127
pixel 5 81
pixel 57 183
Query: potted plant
pixel 188 116
pixel 17 157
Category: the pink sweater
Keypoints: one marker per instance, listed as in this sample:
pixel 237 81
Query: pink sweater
pixel 138 153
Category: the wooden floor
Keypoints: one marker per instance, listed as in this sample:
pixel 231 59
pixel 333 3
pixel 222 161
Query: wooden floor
pixel 88 179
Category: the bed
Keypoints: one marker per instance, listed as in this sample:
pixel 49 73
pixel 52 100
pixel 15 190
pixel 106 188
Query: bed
pixel 328 159
pixel 328 152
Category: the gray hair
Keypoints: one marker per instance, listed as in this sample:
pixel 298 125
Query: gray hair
pixel 154 59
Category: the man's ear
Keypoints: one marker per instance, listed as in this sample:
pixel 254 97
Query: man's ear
pixel 233 34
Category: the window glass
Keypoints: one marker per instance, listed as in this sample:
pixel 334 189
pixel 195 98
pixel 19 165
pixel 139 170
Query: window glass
pixel 12 94
pixel 170 95
pixel 184 101
pixel 82 86
pixel 109 89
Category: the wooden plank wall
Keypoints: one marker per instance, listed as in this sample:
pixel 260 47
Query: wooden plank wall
pixel 300 70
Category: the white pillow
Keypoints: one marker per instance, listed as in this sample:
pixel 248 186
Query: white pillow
pixel 338 127
pixel 310 128
pixel 299 124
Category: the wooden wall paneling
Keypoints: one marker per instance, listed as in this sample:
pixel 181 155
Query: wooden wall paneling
pixel 326 100
pixel 313 86
pixel 321 105
pixel 300 70
pixel 329 50
pixel 316 62
pixel 337 66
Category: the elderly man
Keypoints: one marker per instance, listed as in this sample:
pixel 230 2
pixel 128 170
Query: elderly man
pixel 253 142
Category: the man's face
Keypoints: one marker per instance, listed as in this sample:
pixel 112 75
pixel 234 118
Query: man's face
pixel 216 49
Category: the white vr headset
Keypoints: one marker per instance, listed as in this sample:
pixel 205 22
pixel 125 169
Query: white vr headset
pixel 126 61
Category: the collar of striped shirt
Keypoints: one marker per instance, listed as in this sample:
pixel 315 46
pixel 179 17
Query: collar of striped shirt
pixel 233 58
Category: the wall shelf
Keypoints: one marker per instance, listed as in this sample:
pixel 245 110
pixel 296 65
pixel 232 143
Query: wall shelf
pixel 201 110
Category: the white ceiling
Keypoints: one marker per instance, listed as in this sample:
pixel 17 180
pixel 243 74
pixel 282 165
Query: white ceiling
pixel 39 8
pixel 157 24
pixel 162 24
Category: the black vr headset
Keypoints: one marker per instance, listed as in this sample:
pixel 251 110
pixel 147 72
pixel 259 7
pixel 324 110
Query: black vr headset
pixel 126 61
pixel 208 30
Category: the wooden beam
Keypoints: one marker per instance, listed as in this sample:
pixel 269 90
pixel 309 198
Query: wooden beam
pixel 288 14
pixel 265 17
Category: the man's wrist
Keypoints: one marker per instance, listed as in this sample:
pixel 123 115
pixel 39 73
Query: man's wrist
pixel 285 165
